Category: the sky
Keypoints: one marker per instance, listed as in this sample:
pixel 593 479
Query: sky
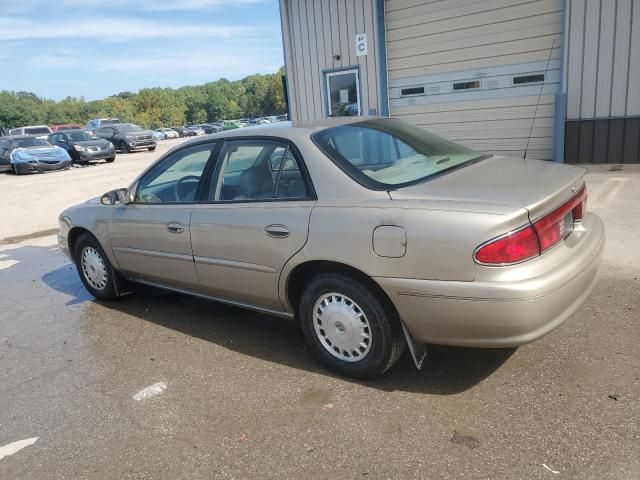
pixel 97 48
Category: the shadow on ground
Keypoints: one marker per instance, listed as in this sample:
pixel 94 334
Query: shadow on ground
pixel 447 371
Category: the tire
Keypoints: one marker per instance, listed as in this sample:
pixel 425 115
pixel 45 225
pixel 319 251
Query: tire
pixel 15 170
pixel 351 310
pixel 110 160
pixel 151 149
pixel 103 287
pixel 124 148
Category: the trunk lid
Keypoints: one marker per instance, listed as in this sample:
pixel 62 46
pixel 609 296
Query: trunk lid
pixel 539 186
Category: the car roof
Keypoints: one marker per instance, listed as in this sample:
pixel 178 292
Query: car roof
pixel 73 130
pixel 286 129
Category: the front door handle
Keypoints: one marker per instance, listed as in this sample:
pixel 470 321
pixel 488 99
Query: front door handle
pixel 175 227
pixel 277 231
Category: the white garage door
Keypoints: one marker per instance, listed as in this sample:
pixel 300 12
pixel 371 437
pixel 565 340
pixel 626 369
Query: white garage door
pixel 472 70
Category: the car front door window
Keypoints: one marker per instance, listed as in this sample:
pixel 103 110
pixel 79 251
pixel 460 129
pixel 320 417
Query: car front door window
pixel 176 178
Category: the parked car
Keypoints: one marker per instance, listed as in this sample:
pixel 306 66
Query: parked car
pixel 231 125
pixel 67 126
pixel 209 129
pixel 40 131
pixel 382 234
pixel 84 146
pixel 184 132
pixel 128 136
pixel 97 123
pixel 169 132
pixel 158 134
pixel 27 153
pixel 196 129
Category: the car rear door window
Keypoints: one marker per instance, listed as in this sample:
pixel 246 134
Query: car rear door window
pixel 257 170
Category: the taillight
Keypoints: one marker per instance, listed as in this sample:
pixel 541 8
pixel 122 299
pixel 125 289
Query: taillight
pixel 533 239
pixel 511 248
pixel 557 224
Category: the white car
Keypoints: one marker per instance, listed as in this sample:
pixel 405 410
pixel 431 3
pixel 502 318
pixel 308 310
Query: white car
pixel 40 131
pixel 169 132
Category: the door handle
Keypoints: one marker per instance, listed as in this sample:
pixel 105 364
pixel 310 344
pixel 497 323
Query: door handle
pixel 175 227
pixel 277 231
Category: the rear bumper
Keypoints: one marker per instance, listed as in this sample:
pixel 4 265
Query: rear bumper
pixel 40 167
pixel 502 313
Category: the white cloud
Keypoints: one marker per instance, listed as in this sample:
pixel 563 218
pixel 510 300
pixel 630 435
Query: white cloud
pixel 161 5
pixel 231 66
pixel 117 29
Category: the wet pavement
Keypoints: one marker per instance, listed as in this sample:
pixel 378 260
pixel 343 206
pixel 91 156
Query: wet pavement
pixel 160 385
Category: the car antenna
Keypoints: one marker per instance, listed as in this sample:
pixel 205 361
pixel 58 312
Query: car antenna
pixel 538 101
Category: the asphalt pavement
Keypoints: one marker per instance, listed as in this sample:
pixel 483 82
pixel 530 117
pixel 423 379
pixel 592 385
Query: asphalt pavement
pixel 161 385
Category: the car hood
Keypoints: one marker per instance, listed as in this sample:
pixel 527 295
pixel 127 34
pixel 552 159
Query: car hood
pixel 91 143
pixel 536 185
pixel 48 153
pixel 139 132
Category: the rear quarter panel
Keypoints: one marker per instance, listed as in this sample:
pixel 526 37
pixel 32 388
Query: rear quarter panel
pixel 440 238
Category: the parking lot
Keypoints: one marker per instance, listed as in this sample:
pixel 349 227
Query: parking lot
pixel 164 385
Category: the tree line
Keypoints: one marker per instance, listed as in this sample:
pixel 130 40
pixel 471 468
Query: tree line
pixel 253 96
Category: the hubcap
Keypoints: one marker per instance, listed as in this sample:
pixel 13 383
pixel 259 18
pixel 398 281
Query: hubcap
pixel 94 268
pixel 342 327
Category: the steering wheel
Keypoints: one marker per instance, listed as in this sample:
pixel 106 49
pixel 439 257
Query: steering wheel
pixel 180 183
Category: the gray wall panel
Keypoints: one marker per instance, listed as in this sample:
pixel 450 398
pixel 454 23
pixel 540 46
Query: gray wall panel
pixel 603 65
pixel 315 31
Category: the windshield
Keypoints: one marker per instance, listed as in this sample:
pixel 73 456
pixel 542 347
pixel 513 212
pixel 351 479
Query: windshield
pixel 37 131
pixel 29 142
pixel 387 153
pixel 82 136
pixel 127 127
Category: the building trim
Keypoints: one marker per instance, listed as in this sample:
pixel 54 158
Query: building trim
pixel 382 59
pixel 560 115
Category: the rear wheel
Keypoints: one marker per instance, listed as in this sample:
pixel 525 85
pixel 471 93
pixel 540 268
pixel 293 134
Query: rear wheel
pixel 124 148
pixel 348 328
pixel 110 160
pixel 95 269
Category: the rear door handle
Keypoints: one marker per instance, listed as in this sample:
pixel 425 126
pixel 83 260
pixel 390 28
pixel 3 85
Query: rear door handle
pixel 175 227
pixel 277 231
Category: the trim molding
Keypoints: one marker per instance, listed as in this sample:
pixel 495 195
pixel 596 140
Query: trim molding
pixel 219 262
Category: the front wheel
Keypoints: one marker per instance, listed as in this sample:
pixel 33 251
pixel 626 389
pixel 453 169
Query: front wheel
pixel 95 269
pixel 151 149
pixel 110 160
pixel 348 328
pixel 124 147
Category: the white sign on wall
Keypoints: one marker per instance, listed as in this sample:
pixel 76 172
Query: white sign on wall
pixel 361 44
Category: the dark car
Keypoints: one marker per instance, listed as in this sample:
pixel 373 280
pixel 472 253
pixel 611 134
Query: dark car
pixel 209 129
pixel 183 132
pixel 128 136
pixel 26 153
pixel 84 146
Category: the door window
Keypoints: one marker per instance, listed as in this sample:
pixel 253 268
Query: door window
pixel 343 90
pixel 176 178
pixel 258 170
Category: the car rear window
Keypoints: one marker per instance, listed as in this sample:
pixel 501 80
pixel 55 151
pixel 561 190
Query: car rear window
pixel 389 153
pixel 36 130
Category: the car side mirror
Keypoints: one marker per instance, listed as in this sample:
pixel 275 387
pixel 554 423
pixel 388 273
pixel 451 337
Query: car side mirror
pixel 121 196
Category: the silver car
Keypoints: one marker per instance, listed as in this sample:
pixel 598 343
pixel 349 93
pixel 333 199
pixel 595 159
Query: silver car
pixel 372 233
